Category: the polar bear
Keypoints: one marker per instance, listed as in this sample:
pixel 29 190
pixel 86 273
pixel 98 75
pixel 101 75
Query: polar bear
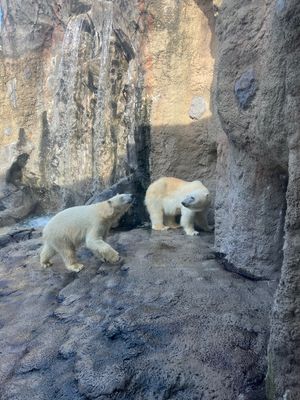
pixel 87 225
pixel 167 197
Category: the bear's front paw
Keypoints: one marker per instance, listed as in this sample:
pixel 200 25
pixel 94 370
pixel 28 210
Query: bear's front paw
pixel 75 267
pixel 112 256
pixel 46 264
pixel 192 233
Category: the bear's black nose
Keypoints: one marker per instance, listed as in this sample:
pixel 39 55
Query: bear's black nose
pixel 183 203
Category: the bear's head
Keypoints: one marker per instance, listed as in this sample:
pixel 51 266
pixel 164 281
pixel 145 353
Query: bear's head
pixel 121 202
pixel 114 208
pixel 197 200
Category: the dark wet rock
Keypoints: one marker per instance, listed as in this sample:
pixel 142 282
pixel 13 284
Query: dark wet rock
pixel 17 205
pixel 169 324
pixel 17 235
pixel 245 88
pixel 135 184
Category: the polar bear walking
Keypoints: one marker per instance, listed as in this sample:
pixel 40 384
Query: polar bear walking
pixel 168 197
pixel 90 224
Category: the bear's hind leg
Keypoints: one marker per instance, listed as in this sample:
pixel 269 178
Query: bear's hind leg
pixel 69 258
pixel 157 218
pixel 47 253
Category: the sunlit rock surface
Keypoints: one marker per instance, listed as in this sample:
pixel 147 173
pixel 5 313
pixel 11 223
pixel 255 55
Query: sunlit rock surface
pixel 71 97
pixel 88 88
pixel 179 70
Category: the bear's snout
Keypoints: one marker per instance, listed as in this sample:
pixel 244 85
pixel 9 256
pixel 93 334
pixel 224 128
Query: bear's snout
pixel 129 198
pixel 188 201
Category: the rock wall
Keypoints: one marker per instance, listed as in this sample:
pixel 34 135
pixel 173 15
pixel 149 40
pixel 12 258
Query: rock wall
pixel 257 102
pixel 179 60
pixel 71 97
pixel 284 347
pixel 110 94
pixel 82 82
pixel 253 155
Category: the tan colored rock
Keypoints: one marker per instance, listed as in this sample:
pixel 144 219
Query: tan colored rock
pixel 86 82
pixel 70 80
pixel 179 64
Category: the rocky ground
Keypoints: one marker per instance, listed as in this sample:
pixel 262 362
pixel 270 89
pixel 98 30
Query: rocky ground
pixel 170 323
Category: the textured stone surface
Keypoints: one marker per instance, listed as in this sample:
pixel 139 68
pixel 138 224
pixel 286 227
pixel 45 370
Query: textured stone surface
pixel 71 97
pixel 156 328
pixel 133 184
pixel 95 97
pixel 252 155
pixel 198 107
pixel 84 81
pixel 245 88
pixel 179 65
pixel 284 348
pixel 257 204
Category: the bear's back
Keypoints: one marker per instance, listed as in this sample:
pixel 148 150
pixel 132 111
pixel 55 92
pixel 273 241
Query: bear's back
pixel 164 186
pixel 74 219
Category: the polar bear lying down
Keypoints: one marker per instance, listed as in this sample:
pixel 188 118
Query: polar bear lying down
pixel 168 197
pixel 87 225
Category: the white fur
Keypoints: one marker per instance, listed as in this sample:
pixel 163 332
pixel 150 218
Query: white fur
pixel 87 225
pixel 164 199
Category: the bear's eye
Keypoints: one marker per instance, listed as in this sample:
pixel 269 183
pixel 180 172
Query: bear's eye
pixel 192 198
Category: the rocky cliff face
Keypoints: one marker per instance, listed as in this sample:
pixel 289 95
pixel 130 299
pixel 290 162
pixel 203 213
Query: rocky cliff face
pixel 179 60
pixel 257 101
pixel 253 155
pixel 82 82
pixel 71 76
pixel 284 346
pixel 111 94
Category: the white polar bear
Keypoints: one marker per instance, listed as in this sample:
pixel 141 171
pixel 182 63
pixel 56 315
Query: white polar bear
pixel 83 224
pixel 168 197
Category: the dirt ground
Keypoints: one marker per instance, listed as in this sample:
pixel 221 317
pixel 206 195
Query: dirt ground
pixel 170 323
